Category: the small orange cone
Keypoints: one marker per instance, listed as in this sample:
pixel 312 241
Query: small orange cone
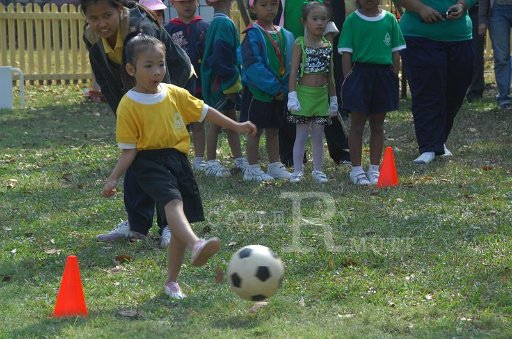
pixel 70 300
pixel 388 176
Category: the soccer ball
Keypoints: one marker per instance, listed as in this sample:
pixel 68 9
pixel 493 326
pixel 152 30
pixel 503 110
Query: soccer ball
pixel 255 273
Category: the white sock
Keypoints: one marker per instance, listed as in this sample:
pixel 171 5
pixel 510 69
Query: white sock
pixel 198 159
pixel 254 166
pixel 357 169
pixel 373 168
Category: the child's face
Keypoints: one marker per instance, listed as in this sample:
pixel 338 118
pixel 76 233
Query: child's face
pixel 149 69
pixel 186 9
pixel 265 10
pixel 369 5
pixel 103 19
pixel 160 15
pixel 316 20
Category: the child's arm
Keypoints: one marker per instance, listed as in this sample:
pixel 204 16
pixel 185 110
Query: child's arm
pixel 396 62
pixel 293 102
pixel 125 160
pixel 346 63
pixel 220 119
pixel 333 99
pixel 294 69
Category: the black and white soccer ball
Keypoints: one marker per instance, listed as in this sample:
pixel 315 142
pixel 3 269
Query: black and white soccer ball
pixel 255 273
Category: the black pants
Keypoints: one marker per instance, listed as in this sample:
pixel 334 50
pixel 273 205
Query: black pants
pixel 439 74
pixel 139 206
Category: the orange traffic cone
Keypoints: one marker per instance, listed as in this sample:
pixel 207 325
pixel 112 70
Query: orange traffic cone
pixel 70 300
pixel 388 176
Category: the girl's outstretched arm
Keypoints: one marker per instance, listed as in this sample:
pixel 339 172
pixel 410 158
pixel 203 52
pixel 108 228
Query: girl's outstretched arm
pixel 125 160
pixel 220 119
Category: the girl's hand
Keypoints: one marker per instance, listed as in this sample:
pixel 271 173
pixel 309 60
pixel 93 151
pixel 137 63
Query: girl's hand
pixel 247 128
pixel 333 106
pixel 110 188
pixel 482 29
pixel 293 102
pixel 279 97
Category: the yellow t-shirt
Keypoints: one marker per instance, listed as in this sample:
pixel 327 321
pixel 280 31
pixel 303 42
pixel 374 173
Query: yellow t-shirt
pixel 158 121
pixel 114 54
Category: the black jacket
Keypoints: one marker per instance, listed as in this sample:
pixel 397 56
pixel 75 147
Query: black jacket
pixel 108 74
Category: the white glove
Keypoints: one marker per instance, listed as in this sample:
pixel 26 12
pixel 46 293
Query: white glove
pixel 333 106
pixel 293 103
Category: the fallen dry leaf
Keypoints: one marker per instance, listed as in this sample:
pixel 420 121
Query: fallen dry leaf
pixel 429 297
pixel 301 302
pixel 331 263
pixel 260 304
pixel 219 275
pixel 52 251
pixel 345 316
pixel 133 314
pixel 122 258
pixel 68 177
pixel 11 183
pixel 487 168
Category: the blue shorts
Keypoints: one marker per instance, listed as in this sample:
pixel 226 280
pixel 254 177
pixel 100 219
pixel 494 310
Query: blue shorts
pixel 262 114
pixel 165 175
pixel 369 89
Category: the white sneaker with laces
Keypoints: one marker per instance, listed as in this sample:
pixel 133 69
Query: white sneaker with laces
pixel 256 174
pixel 199 165
pixel 242 164
pixel 425 158
pixel 215 169
pixel 296 176
pixel 359 179
pixel 166 237
pixel 121 231
pixel 173 290
pixel 203 250
pixel 319 177
pixel 373 176
pixel 447 152
pixel 278 171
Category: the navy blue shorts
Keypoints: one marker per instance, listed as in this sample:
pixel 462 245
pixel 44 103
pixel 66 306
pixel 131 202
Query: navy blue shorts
pixel 166 175
pixel 262 114
pixel 369 89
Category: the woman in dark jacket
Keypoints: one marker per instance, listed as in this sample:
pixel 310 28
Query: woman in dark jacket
pixel 108 23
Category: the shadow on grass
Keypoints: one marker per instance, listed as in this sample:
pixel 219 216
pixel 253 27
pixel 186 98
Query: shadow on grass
pixel 43 127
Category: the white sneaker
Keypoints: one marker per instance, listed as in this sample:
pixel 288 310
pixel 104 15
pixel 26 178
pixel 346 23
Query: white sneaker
pixel 319 177
pixel 199 165
pixel 373 176
pixel 278 171
pixel 242 164
pixel 215 169
pixel 256 174
pixel 425 158
pixel 166 237
pixel 296 176
pixel 121 231
pixel 173 290
pixel 447 152
pixel 359 179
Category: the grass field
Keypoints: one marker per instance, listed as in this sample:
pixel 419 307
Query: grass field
pixel 429 258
